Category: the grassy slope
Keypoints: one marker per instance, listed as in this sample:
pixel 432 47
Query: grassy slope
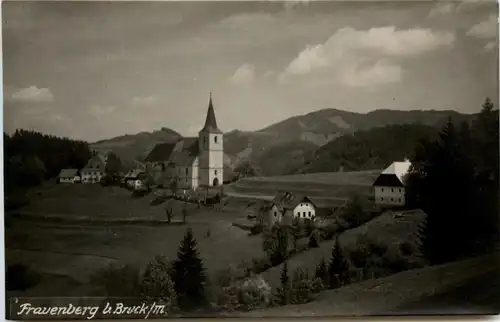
pixel 385 229
pixel 381 295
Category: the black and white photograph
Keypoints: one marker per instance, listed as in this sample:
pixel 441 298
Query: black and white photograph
pixel 300 158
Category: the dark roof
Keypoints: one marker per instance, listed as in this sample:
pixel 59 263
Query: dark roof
pixel 161 152
pixel 68 173
pixel 210 121
pixel 186 151
pixel 289 200
pixel 132 174
pixel 388 180
pixel 181 152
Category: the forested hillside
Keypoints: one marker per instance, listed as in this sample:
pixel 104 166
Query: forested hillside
pixel 371 149
pixel 31 157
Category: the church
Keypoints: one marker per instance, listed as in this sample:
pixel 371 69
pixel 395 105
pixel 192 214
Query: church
pixel 193 161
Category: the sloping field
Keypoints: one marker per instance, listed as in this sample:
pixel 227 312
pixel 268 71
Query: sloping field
pixel 381 295
pixel 93 201
pixel 333 184
pixel 389 229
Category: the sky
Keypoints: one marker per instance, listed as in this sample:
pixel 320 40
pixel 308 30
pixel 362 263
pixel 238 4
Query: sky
pixel 94 70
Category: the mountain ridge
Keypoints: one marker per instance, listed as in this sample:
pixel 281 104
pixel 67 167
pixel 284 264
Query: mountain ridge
pixel 295 138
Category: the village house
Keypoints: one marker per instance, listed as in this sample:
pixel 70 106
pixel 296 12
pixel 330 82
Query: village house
pixel 95 169
pixel 194 161
pixel 389 187
pixel 133 176
pixel 68 176
pixel 285 207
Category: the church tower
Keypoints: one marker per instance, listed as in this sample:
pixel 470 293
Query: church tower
pixel 211 156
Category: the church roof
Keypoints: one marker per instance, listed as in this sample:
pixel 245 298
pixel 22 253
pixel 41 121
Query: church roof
pixel 161 152
pixel 181 152
pixel 210 122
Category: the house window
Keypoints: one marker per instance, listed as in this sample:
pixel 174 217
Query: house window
pixel 392 189
pixel 187 171
pixel 382 189
pixel 391 199
pixel 215 139
pixel 400 189
pixel 382 198
pixel 309 214
pixel 275 214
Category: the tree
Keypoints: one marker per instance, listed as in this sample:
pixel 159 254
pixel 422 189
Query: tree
pixel 338 268
pixel 189 273
pixel 174 185
pixel 322 272
pixel 113 164
pixel 156 283
pixel 283 291
pixel 455 182
pixel 169 213
pixel 275 244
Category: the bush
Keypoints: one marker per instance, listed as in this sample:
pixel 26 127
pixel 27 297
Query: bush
pixel 156 283
pixel 256 229
pixel 260 265
pixel 248 294
pixel 302 287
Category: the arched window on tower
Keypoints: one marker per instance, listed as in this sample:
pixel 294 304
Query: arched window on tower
pixel 215 139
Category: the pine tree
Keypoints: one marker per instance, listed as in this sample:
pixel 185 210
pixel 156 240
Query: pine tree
pixel 284 290
pixel 338 268
pixel 189 273
pixel 322 272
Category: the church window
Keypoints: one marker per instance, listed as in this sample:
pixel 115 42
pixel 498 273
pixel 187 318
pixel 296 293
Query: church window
pixel 204 139
pixel 215 171
pixel 215 139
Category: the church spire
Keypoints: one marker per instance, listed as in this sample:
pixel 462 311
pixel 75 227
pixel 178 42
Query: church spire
pixel 210 121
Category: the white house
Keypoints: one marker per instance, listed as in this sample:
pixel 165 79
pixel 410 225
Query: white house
pixel 193 161
pixel 286 207
pixel 389 187
pixel 68 176
pixel 95 169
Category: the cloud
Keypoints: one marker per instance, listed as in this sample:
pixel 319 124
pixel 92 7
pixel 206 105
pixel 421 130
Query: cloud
pixel 485 29
pixel 380 73
pixel 244 75
pixel 442 8
pixel 345 50
pixel 98 110
pixel 32 94
pixel 143 101
pixel 492 45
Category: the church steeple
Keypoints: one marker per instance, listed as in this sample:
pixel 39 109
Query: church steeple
pixel 210 121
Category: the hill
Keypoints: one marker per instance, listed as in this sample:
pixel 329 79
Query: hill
pixel 369 149
pixel 283 146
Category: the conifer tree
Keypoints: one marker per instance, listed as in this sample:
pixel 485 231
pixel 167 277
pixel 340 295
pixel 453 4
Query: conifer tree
pixel 284 290
pixel 338 268
pixel 322 272
pixel 189 273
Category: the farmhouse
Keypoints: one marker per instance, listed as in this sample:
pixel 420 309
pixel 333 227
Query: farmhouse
pixel 68 176
pixel 287 206
pixel 389 187
pixel 193 161
pixel 133 176
pixel 95 169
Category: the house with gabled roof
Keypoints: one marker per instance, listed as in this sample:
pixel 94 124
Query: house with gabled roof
pixel 68 176
pixel 389 187
pixel 191 161
pixel 285 207
pixel 95 169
